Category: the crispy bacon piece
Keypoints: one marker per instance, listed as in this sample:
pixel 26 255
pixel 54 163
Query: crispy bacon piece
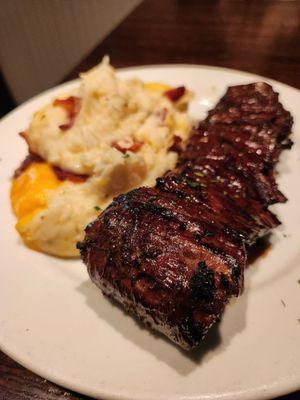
pixel 175 94
pixel 127 145
pixel 30 158
pixel 162 113
pixel 23 134
pixel 63 175
pixel 177 145
pixel 72 107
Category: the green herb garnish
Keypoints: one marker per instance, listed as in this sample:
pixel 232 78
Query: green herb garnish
pixel 126 155
pixel 256 218
pixel 97 208
pixel 201 174
pixel 192 184
pixel 151 200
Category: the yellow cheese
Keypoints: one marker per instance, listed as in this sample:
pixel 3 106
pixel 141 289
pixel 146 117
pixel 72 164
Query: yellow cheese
pixel 157 87
pixel 28 195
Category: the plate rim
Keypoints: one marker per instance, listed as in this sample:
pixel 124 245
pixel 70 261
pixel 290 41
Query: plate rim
pixel 150 66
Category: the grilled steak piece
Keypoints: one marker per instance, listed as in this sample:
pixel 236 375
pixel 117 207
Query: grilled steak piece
pixel 174 254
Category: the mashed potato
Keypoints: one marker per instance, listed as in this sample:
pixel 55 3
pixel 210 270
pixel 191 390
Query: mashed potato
pixel 118 133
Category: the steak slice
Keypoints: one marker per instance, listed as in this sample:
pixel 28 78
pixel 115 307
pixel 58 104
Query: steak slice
pixel 174 255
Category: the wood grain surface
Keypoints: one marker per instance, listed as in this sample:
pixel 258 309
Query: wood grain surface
pixel 257 36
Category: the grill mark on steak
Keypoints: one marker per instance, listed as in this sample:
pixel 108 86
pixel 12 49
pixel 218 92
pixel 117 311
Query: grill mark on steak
pixel 174 254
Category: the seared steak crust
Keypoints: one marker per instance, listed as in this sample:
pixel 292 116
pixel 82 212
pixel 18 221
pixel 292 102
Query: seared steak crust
pixel 174 254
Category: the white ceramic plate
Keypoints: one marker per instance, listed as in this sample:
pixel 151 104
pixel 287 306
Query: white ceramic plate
pixel 56 323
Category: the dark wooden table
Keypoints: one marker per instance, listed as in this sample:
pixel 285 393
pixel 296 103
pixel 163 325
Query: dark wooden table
pixel 258 36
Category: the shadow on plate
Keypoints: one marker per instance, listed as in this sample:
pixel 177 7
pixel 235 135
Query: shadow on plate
pixel 217 340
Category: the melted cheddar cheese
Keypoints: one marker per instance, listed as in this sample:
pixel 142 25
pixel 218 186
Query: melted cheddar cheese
pixel 28 195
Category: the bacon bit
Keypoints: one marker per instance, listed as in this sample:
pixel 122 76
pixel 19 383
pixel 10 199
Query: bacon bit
pixel 31 158
pixel 63 175
pixel 23 134
pixel 72 106
pixel 175 94
pixel 127 145
pixel 177 145
pixel 162 113
pixel 60 173
pixel 136 146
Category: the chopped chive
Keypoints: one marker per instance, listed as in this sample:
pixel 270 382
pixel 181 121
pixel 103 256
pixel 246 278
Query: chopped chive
pixel 208 233
pixel 151 200
pixel 199 174
pixel 126 155
pixel 192 184
pixel 97 208
pixel 256 219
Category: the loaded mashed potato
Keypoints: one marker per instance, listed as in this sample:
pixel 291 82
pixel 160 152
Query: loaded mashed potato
pixel 106 137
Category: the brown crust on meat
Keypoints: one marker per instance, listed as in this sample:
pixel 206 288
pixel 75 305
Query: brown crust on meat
pixel 174 254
